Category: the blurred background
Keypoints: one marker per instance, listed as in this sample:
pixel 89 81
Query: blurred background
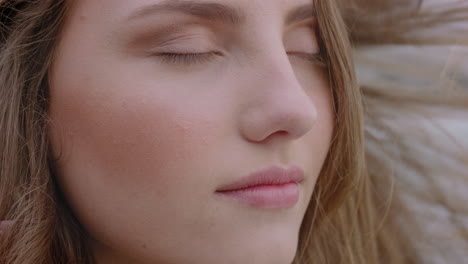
pixel 412 64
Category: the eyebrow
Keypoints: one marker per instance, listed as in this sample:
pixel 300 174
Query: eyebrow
pixel 301 13
pixel 215 11
pixel 209 11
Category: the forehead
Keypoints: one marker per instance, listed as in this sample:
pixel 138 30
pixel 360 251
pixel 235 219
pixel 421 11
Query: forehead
pixel 117 10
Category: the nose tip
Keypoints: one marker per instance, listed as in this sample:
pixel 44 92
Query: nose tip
pixel 289 116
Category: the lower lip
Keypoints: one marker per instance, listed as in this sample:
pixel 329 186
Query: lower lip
pixel 266 196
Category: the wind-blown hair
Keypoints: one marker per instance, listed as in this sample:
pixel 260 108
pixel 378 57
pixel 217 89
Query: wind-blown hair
pixel 411 57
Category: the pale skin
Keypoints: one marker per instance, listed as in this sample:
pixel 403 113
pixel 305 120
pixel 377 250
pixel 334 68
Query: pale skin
pixel 143 139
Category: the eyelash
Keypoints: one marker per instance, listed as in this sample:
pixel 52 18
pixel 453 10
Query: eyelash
pixel 315 58
pixel 199 58
pixel 188 58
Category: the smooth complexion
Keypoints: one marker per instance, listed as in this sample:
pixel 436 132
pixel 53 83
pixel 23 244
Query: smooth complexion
pixel 156 104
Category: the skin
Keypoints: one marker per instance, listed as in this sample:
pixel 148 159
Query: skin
pixel 142 143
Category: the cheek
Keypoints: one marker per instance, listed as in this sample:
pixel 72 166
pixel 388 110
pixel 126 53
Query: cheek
pixel 129 140
pixel 313 147
pixel 131 158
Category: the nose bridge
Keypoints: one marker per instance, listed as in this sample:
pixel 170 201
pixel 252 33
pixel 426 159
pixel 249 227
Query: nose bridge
pixel 279 105
pixel 282 86
pixel 271 64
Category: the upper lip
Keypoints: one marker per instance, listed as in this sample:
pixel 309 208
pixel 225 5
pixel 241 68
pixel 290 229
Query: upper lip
pixel 274 175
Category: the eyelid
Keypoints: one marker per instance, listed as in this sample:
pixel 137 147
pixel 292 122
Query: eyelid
pixel 315 58
pixel 184 50
pixel 302 39
pixel 184 40
pixel 168 38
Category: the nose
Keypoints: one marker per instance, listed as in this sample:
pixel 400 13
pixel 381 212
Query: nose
pixel 278 106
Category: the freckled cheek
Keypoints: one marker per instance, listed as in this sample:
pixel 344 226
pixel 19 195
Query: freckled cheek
pixel 137 145
pixel 320 135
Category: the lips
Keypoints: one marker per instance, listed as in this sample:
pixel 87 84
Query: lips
pixel 273 187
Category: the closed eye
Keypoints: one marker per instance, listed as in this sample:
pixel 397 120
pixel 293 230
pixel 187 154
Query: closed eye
pixel 188 58
pixel 203 57
pixel 315 58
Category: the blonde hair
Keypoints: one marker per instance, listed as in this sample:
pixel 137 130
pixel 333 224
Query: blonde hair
pixel 341 225
pixel 406 82
pixel 43 229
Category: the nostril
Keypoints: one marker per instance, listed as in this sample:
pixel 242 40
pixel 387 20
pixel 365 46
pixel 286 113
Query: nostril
pixel 280 134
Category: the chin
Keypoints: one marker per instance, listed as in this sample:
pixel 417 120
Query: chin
pixel 275 248
pixel 277 254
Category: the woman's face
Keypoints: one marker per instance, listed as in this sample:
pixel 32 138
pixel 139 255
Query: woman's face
pixel 147 137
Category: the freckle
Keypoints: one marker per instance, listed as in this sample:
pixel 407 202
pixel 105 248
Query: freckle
pixel 144 246
pixel 82 18
pixel 184 125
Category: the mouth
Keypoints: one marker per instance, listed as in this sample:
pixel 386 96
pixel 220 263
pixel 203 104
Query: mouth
pixel 272 188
